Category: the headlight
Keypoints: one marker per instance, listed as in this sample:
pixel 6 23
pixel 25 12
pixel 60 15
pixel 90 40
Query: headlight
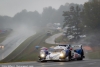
pixel 61 55
pixel 42 55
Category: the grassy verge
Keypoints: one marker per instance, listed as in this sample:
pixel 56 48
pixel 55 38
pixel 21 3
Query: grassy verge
pixel 30 53
pixel 94 55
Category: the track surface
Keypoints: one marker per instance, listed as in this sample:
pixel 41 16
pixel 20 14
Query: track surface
pixel 84 63
pixel 51 40
pixel 12 42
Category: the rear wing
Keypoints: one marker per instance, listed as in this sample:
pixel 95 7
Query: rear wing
pixel 77 46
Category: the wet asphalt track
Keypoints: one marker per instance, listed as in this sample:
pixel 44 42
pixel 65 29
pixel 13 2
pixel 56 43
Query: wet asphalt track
pixel 84 63
pixel 11 43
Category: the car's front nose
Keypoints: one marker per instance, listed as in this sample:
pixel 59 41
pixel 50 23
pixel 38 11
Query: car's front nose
pixel 54 56
pixel 57 56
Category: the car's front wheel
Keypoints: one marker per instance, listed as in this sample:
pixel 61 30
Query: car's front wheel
pixel 41 60
pixel 68 58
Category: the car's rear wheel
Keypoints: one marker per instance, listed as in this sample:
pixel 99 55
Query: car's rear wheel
pixel 82 55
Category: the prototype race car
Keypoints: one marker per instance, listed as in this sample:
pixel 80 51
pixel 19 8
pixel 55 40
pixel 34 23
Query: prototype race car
pixel 62 53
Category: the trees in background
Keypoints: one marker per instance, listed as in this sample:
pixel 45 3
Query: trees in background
pixel 91 18
pixel 91 15
pixel 73 21
pixel 49 15
pixel 87 20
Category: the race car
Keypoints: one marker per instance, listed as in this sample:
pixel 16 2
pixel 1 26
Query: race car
pixel 62 53
pixel 49 33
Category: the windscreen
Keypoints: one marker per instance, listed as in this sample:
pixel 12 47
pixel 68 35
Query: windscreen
pixel 55 50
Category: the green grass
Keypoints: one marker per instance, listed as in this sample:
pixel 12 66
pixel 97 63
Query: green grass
pixel 94 55
pixel 29 54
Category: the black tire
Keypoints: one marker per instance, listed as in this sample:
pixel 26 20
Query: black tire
pixel 41 60
pixel 82 55
pixel 69 56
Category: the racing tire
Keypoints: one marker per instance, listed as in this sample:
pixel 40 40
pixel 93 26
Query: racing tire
pixel 82 55
pixel 40 60
pixel 80 58
pixel 69 57
pixel 43 61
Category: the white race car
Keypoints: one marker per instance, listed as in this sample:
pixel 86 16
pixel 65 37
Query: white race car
pixel 61 53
